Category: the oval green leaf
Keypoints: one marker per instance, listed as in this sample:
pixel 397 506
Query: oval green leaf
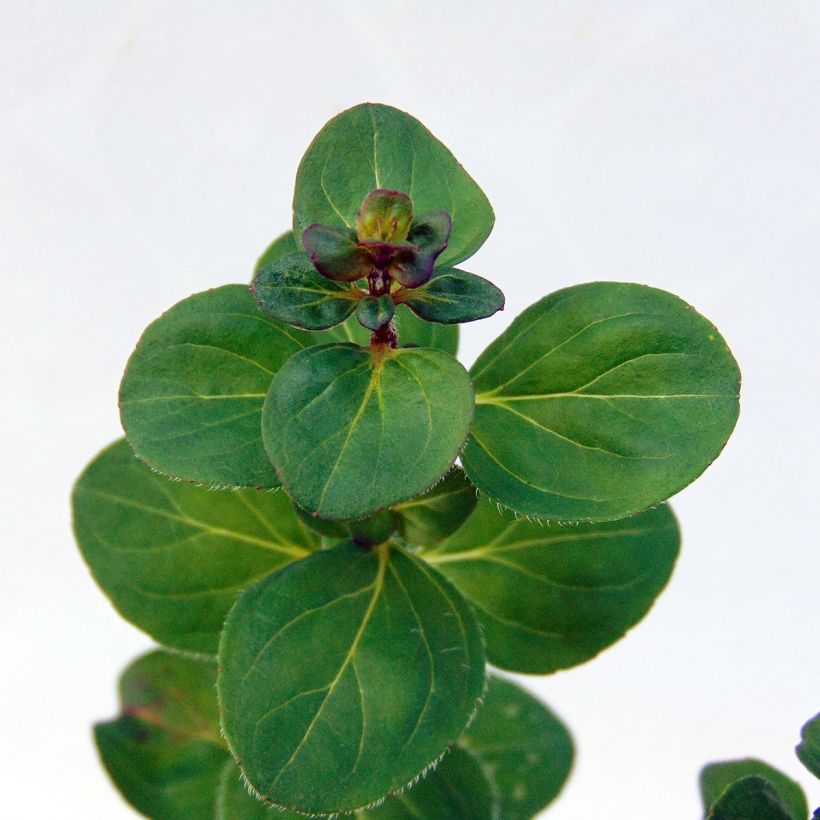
pixel 192 394
pixel 165 753
pixel 351 431
pixel 524 746
pixel 598 402
pixel 550 597
pixel 431 517
pixel 345 675
pixel 172 556
pixel 717 778
pixel 377 146
pixel 452 296
pixel 808 750
pixel 291 290
pixel 374 312
pixel 750 798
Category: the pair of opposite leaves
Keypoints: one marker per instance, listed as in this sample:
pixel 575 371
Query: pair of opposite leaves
pixel 166 754
pixel 369 659
pixel 597 402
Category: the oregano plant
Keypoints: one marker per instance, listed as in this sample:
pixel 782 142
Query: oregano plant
pixel 334 529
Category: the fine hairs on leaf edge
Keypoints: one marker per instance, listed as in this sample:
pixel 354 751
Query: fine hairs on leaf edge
pixel 315 514
pixel 479 702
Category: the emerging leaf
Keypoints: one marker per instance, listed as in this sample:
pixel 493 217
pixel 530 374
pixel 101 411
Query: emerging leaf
pixel 453 296
pixel 396 668
pixel 374 312
pixel 551 597
pixel 428 236
pixel 172 556
pixel 524 745
pixel 336 253
pixel 598 402
pixel 376 146
pixel 384 216
pixel 412 331
pixel 192 394
pixel 717 779
pixel 165 753
pixel 289 289
pixel 351 431
pixel 432 516
pixel 808 750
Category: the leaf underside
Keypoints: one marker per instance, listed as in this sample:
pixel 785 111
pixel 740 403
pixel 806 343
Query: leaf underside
pixel 395 670
pixel 549 596
pixel 808 751
pixel 598 402
pixel 172 556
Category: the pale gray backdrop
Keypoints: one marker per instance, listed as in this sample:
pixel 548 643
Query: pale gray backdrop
pixel 147 151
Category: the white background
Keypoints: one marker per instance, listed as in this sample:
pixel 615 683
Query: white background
pixel 147 151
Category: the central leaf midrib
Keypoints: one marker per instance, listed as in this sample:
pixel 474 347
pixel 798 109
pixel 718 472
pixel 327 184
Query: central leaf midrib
pixel 382 555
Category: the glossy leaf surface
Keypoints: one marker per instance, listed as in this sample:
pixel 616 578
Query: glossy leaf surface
pixel 431 517
pixel 165 753
pixel 375 311
pixel 172 556
pixel 598 402
pixel 750 798
pixel 717 778
pixel 453 296
pixel 191 398
pixel 377 146
pixel 808 749
pixel 550 597
pixel 351 432
pixel 291 290
pixel 524 746
pixel 395 670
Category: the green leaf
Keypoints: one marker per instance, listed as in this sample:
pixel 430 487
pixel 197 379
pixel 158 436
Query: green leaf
pixel 336 253
pixel 717 778
pixel 453 296
pixel 172 556
pixel 345 675
pixel 165 752
pixel 191 398
pixel 283 244
pixel 233 802
pixel 598 402
pixel 457 789
pixel 351 431
pixel 431 517
pixel 376 146
pixel 526 748
pixel 808 749
pixel 550 597
pixel 375 311
pixel 750 798
pixel 290 290
pixel 413 332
